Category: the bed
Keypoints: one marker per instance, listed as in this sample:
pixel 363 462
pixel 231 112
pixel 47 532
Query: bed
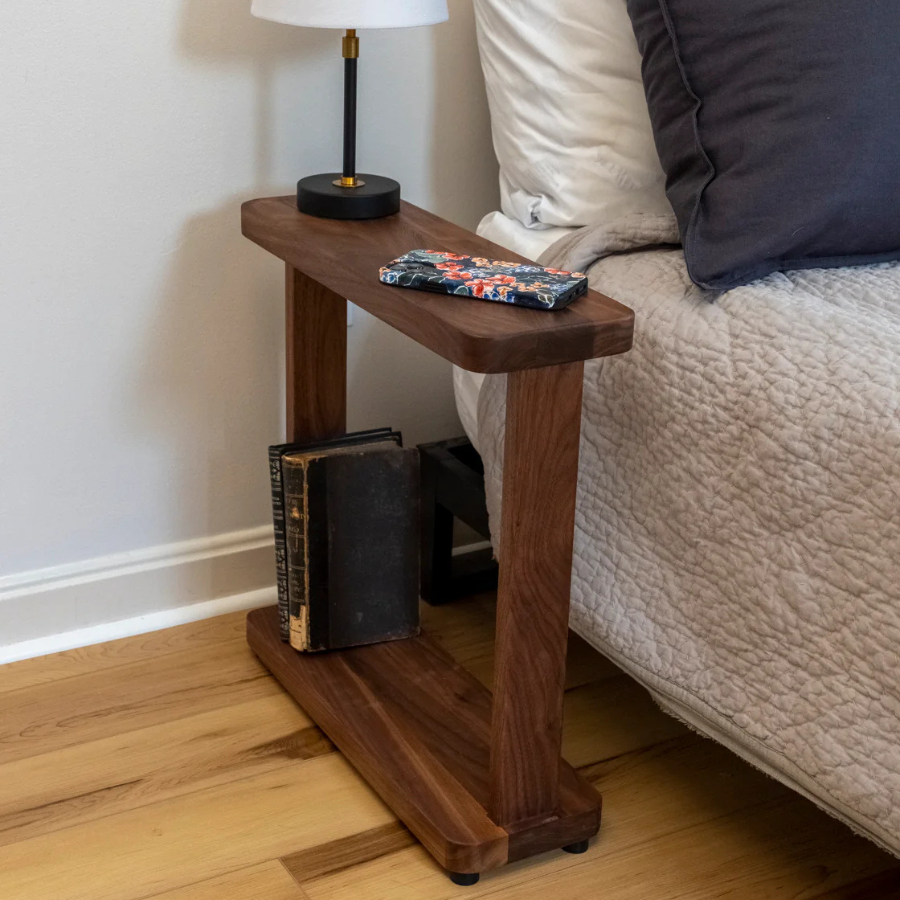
pixel 736 547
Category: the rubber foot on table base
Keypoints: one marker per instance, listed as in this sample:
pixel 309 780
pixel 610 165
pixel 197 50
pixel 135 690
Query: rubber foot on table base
pixel 580 847
pixel 463 880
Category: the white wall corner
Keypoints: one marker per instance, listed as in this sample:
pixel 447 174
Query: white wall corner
pixel 61 607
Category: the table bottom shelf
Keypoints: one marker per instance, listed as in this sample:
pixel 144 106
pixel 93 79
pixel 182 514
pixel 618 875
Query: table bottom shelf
pixel 416 725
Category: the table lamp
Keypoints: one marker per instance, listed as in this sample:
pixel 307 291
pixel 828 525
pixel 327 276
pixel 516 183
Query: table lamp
pixel 348 195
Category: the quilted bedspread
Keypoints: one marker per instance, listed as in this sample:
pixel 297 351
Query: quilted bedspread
pixel 737 546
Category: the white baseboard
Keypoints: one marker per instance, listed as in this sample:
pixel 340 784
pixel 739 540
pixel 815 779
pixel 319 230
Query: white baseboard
pixel 96 600
pixel 463 549
pixel 111 631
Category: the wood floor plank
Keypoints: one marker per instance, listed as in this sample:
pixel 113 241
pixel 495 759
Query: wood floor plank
pixel 88 781
pixel 465 629
pixel 684 819
pixel 171 767
pixel 325 859
pixel 717 860
pixel 205 834
pixel 610 718
pixel 780 851
pixel 221 632
pixel 584 665
pixel 95 705
pixel 885 886
pixel 267 881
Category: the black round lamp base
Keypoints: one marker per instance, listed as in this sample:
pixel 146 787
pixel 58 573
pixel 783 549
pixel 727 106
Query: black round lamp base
pixel 376 197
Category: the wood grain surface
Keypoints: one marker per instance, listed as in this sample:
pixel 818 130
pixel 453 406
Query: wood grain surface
pixel 540 474
pixel 218 803
pixel 344 258
pixel 395 753
pixel 316 359
pixel 417 726
pixel 267 881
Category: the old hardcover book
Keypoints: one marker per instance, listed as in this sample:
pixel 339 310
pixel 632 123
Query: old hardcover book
pixel 277 483
pixel 275 477
pixel 352 523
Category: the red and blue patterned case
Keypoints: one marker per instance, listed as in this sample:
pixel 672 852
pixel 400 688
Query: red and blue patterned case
pixel 473 276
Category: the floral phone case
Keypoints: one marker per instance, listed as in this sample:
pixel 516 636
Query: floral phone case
pixel 473 276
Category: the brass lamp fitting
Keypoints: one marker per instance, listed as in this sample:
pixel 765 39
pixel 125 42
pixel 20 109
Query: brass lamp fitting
pixel 350 44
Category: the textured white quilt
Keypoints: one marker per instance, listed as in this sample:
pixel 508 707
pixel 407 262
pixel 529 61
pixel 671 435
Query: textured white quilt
pixel 737 544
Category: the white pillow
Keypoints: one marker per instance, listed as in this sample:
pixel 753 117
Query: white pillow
pixel 570 121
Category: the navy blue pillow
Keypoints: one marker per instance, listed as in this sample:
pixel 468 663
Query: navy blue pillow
pixel 778 126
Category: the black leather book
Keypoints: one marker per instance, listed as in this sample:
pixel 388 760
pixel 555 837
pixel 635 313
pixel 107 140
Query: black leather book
pixel 284 616
pixel 352 535
pixel 276 479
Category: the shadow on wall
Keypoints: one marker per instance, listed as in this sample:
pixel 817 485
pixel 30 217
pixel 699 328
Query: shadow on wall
pixel 223 33
pixel 208 385
pixel 397 382
pixel 208 390
pixel 466 183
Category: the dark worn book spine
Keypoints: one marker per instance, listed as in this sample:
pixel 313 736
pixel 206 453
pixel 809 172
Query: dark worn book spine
pixel 281 574
pixel 296 503
pixel 373 531
pixel 353 547
pixel 319 555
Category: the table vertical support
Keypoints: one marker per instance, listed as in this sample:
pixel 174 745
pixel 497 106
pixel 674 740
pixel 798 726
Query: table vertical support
pixel 543 427
pixel 316 359
pixel 540 474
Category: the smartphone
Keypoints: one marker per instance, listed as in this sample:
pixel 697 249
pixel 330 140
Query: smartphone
pixel 519 284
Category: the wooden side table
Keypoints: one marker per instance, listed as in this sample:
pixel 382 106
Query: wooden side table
pixel 475 775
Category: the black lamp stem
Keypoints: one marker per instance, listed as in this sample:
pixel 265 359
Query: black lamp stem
pixel 351 59
pixel 349 195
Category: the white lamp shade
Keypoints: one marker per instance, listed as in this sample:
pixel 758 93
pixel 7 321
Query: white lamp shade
pixel 352 13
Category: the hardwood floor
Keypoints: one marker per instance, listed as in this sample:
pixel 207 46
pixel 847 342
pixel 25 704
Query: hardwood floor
pixel 171 766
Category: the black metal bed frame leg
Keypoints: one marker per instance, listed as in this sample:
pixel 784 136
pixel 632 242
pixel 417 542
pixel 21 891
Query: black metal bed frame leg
pixel 437 548
pixel 453 488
